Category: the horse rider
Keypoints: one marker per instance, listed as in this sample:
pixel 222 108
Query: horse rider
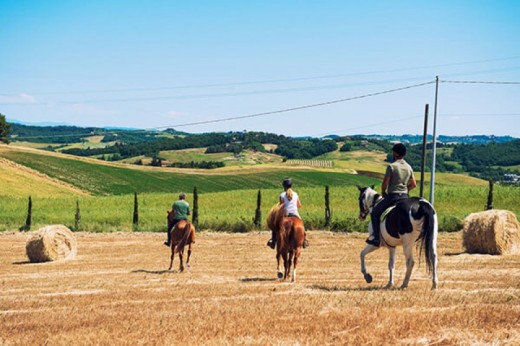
pixel 291 203
pixel 181 210
pixel 397 182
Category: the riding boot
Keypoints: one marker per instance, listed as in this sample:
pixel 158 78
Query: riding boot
pixel 375 239
pixel 272 242
pixel 168 242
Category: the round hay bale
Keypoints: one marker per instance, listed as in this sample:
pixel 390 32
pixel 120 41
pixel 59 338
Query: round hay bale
pixel 494 232
pixel 51 243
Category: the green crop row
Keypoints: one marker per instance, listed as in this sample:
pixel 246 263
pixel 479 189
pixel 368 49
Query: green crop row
pixel 233 211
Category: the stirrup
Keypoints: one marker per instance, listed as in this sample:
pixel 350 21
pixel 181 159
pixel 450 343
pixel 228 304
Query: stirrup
pixel 271 244
pixel 305 243
pixel 167 243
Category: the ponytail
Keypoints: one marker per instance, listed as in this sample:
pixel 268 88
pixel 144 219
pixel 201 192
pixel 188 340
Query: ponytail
pixel 289 193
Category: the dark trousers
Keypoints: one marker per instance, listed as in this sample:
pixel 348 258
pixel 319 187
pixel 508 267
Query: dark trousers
pixel 380 207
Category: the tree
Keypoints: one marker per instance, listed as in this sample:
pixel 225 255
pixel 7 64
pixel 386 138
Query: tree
pixel 258 212
pixel 195 215
pixel 489 204
pixel 135 220
pixel 5 127
pixel 28 220
pixel 77 217
pixel 327 206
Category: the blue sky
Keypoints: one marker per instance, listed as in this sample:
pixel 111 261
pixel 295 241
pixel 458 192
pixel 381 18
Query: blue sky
pixel 149 64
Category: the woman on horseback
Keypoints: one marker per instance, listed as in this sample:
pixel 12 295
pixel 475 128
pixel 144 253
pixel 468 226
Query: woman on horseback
pixel 291 203
pixel 398 181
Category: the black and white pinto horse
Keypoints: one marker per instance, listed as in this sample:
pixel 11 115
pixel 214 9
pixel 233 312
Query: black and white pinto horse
pixel 410 220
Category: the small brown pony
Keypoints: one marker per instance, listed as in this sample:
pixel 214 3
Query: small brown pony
pixel 181 235
pixel 290 234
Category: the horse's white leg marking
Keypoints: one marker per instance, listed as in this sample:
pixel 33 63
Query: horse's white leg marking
pixel 408 245
pixel 391 265
pixel 368 249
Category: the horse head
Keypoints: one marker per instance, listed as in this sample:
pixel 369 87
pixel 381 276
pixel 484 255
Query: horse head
pixel 366 199
pixel 170 219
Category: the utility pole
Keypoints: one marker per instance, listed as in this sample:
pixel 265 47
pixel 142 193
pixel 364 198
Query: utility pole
pixel 423 162
pixel 434 143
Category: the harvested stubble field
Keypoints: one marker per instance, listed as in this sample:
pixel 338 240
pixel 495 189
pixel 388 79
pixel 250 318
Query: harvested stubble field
pixel 117 291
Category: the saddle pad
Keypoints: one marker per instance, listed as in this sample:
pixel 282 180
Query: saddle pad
pixel 386 212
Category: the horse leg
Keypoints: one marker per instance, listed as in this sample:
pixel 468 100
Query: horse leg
pixel 278 256
pixel 181 267
pixel 171 258
pixel 408 253
pixel 289 263
pixel 188 259
pixel 368 249
pixel 285 264
pixel 391 265
pixel 296 257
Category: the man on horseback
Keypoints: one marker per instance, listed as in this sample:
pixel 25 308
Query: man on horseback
pixel 181 210
pixel 398 181
pixel 291 202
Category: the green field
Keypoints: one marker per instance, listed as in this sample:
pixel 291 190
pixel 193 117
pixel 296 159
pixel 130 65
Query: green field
pixel 234 210
pixel 102 179
pixel 227 198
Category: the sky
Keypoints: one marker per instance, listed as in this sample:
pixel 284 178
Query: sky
pixel 298 68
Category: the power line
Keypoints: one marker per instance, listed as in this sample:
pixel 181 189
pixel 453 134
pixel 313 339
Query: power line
pixel 477 82
pixel 294 108
pixel 297 79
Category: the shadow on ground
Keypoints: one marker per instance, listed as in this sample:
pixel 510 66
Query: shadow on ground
pixel 257 279
pixel 166 271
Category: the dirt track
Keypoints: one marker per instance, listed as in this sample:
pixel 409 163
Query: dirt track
pixel 118 292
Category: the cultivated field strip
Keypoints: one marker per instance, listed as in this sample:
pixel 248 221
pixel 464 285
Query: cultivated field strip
pixel 117 291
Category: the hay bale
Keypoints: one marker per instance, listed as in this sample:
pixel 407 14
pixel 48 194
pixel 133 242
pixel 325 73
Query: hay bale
pixel 494 232
pixel 51 243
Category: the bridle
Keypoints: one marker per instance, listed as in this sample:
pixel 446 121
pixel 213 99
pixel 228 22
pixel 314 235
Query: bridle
pixel 363 212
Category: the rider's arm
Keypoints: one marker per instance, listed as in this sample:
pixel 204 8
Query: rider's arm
pixel 384 186
pixel 298 203
pixel 411 183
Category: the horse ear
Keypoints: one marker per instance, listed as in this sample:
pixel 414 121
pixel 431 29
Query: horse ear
pixel 359 188
pixel 372 186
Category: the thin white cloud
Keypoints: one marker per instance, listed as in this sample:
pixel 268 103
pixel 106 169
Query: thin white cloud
pixel 174 114
pixel 19 98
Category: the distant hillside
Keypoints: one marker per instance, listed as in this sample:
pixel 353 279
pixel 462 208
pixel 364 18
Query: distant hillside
pixel 414 139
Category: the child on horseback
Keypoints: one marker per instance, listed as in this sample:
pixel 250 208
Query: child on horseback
pixel 398 181
pixel 291 202
pixel 181 210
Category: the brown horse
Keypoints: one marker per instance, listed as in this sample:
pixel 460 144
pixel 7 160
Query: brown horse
pixel 290 234
pixel 181 235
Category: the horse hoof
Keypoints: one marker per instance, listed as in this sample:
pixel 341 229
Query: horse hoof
pixel 188 266
pixel 368 278
pixel 280 275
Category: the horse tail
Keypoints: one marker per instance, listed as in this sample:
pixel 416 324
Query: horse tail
pixel 187 238
pixel 284 231
pixel 429 233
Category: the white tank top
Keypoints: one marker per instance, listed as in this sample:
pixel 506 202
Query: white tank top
pixel 291 207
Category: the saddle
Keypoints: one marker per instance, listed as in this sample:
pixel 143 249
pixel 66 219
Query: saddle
pixel 385 213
